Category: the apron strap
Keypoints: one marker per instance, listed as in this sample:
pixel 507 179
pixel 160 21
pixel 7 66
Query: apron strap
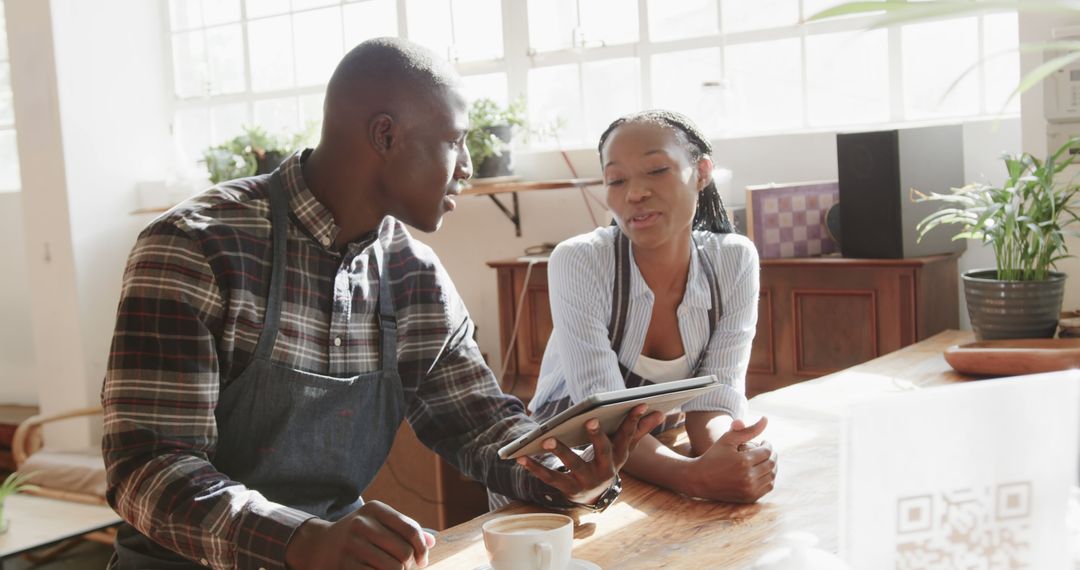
pixel 620 293
pixel 387 317
pixel 716 309
pixel 279 230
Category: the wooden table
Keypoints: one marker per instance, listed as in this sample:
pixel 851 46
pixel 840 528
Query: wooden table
pixel 653 528
pixel 37 522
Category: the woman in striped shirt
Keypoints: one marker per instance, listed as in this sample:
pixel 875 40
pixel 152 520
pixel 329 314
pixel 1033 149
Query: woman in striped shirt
pixel 670 292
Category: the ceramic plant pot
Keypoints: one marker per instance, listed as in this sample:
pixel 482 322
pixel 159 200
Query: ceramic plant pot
pixel 1012 309
pixel 497 165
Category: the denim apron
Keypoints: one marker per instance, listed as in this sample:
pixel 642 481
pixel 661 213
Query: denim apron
pixel 304 440
pixel 620 310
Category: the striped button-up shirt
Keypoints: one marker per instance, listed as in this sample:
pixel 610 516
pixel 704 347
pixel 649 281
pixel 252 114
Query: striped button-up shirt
pixel 579 360
pixel 190 314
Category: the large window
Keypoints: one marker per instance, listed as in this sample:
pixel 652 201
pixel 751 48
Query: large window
pixel 9 153
pixel 738 67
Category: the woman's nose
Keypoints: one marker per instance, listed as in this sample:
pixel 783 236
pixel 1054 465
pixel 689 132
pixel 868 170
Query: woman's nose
pixel 637 192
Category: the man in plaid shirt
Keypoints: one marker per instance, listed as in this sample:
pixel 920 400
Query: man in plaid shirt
pixel 274 331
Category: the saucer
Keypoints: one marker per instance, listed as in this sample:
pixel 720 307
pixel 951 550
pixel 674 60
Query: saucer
pixel 575 564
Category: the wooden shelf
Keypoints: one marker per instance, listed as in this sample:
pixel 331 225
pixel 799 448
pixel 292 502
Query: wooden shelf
pixel 504 185
pixel 510 185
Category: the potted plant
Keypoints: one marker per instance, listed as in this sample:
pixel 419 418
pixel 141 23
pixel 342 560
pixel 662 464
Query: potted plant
pixel 491 128
pixel 1025 221
pixel 254 152
pixel 14 483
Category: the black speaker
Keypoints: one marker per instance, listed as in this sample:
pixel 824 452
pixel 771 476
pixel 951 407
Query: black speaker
pixel 877 171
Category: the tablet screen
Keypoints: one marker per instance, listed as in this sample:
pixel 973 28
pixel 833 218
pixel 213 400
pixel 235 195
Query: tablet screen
pixel 610 408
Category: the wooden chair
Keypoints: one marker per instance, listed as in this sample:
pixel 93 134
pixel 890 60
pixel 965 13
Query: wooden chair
pixel 54 469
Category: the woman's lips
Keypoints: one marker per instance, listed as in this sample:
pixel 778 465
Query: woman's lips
pixel 643 220
pixel 448 204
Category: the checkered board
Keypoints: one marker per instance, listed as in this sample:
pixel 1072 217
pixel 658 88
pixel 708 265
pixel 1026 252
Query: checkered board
pixel 788 220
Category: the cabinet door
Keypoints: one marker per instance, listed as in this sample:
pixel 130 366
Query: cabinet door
pixel 820 319
pixel 535 325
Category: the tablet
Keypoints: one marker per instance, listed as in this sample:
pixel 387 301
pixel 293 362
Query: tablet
pixel 610 408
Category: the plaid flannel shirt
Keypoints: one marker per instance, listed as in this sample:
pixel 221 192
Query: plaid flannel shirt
pixel 190 314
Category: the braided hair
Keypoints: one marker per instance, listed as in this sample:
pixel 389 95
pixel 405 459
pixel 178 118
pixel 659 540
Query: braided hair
pixel 710 215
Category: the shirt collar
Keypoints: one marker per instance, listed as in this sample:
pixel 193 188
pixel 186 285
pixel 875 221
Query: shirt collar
pixel 697 292
pixel 312 216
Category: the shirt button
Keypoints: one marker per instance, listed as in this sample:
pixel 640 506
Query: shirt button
pixel 547 498
pixel 325 241
pixel 337 341
pixel 203 562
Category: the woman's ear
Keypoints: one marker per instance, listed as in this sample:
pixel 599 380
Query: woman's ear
pixel 704 172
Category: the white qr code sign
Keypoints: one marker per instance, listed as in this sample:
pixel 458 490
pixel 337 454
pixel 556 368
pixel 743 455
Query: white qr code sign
pixel 971 476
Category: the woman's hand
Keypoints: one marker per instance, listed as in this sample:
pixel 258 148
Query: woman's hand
pixel 734 469
pixel 585 481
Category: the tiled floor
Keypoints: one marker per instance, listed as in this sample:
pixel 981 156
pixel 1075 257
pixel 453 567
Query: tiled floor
pixel 86 556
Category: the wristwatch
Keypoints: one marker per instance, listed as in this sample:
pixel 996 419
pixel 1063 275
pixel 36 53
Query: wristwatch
pixel 606 498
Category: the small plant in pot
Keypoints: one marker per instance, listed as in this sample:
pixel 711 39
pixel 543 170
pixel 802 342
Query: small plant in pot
pixel 1025 221
pixel 492 127
pixel 15 483
pixel 251 153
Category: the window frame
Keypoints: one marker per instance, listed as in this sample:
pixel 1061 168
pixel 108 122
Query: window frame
pixel 518 59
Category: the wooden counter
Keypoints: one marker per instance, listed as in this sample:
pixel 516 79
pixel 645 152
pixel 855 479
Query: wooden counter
pixel 652 528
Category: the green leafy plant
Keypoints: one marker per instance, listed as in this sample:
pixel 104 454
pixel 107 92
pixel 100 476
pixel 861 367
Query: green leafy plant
pixel 15 483
pixel 485 116
pixel 1025 220
pixel 253 152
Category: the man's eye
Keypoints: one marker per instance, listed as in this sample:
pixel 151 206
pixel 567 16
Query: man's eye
pixel 660 170
pixel 616 182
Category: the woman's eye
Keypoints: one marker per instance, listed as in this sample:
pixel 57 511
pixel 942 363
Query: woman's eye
pixel 615 182
pixel 660 170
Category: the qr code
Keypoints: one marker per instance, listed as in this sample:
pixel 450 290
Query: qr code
pixel 983 528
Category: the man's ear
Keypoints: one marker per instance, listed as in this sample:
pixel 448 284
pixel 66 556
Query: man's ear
pixel 383 133
pixel 704 172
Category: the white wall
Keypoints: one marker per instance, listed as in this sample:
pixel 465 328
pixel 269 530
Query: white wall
pixel 17 363
pixel 92 120
pixel 48 254
pixel 115 120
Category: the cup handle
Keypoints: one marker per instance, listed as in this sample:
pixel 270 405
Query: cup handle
pixel 544 550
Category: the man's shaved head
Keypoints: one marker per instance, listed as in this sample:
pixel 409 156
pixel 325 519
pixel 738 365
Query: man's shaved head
pixel 393 138
pixel 393 60
pixel 384 75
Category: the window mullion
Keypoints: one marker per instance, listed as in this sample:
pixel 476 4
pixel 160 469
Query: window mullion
pixel 249 112
pixel 402 19
pixel 515 16
pixel 804 80
pixel 896 76
pixel 644 53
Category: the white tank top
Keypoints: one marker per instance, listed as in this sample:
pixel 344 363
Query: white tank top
pixel 662 370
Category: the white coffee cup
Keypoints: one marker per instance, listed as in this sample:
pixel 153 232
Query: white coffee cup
pixel 535 541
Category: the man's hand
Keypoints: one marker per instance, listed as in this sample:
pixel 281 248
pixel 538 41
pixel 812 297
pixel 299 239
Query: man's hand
pixel 734 469
pixel 587 480
pixel 373 536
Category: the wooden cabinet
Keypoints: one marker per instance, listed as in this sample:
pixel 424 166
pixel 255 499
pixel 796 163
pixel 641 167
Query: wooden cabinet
pixel 533 326
pixel 815 315
pixel 820 315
